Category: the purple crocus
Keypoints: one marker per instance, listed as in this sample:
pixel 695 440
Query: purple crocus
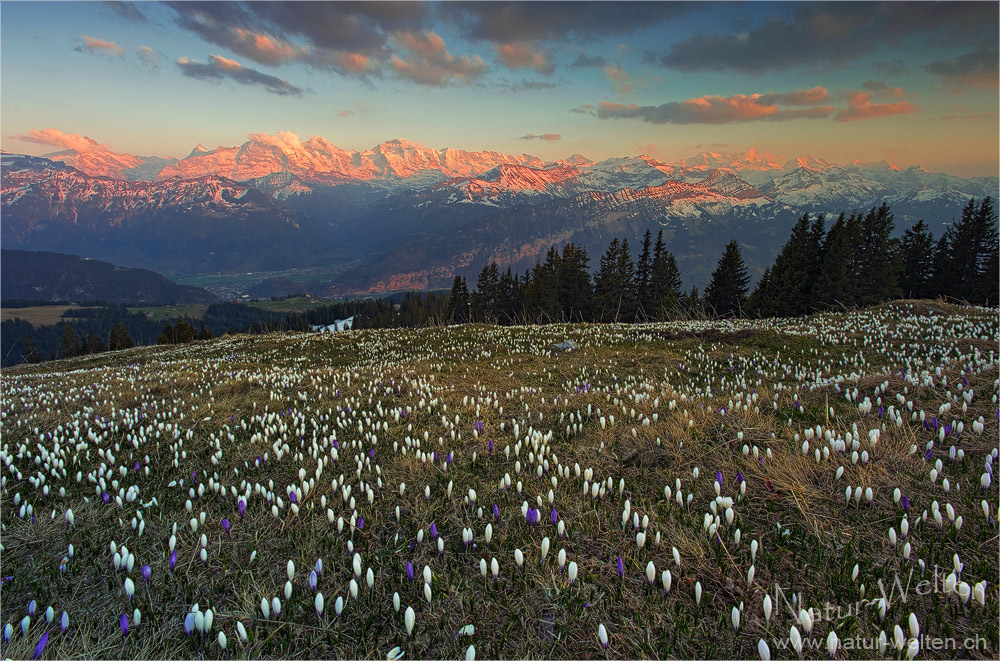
pixel 147 573
pixel 41 645
pixel 490 446
pixel 319 566
pixel 739 477
pixel 313 580
pixel 555 517
pixel 434 531
pixel 361 523
pixel 124 625
pixel 106 497
pixel 409 570
pixel 496 513
pixel 189 624
pixel 225 526
pixel 291 496
pixel 173 560
pixel 241 507
pixel 905 502
pixel 718 477
pixel 621 568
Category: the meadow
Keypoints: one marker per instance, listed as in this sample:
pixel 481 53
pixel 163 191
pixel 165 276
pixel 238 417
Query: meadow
pixel 818 487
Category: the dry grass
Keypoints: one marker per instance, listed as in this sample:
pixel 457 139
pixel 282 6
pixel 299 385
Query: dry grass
pixel 529 613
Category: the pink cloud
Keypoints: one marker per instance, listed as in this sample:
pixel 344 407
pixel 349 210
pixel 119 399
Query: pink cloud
pixel 56 138
pixel 262 47
pixel 345 113
pixel 429 62
pixel 860 106
pixel 712 109
pixel 421 43
pixel 522 55
pixel 543 136
pixel 100 46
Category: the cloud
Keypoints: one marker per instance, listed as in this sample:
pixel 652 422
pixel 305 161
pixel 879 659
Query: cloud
pixel 711 109
pixel 345 113
pixel 882 89
pixel 91 45
pixel 543 136
pixel 584 61
pixel 894 68
pixel 286 141
pixel 974 69
pixel 429 61
pixel 524 55
pixel 529 85
pixel 620 78
pixel 860 106
pixel 127 10
pixel 507 22
pixel 585 109
pixel 808 97
pixel 148 56
pixel 56 138
pixel 826 34
pixel 219 68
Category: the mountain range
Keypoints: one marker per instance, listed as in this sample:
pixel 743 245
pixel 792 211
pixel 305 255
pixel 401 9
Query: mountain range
pixel 406 216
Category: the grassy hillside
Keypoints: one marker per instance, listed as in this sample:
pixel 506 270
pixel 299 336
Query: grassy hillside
pixel 823 457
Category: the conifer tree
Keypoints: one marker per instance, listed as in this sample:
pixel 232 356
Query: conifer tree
pixel 31 352
pixel 203 332
pixel 834 286
pixel 168 336
pixel 70 345
pixel 458 303
pixel 875 278
pixel 120 338
pixel 575 288
pixel 917 248
pixel 786 287
pixel 643 280
pixel 726 294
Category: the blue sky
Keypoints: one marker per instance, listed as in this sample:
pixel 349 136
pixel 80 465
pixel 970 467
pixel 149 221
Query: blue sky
pixel 912 83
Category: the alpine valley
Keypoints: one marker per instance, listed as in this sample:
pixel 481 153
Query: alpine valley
pixel 401 216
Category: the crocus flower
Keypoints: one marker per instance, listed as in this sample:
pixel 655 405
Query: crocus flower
pixel 41 645
pixel 621 568
pixel 434 531
pixel 124 625
pixel 63 622
pixel 147 573
pixel 905 502
pixel 496 513
pixel 555 517
pixel 173 560
pixel 313 580
pixel 189 623
pixel 409 570
pixel 241 507
pixel 225 525
pixel 602 636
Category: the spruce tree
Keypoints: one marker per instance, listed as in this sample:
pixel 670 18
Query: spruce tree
pixel 834 286
pixel 458 302
pixel 31 352
pixel 643 280
pixel 878 259
pixel 120 338
pixel 606 292
pixel 70 345
pixel 168 336
pixel 726 294
pixel 917 249
pixel 787 286
pixel 628 296
pixel 575 288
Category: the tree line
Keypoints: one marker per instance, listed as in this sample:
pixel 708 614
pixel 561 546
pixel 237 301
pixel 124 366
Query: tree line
pixel 854 262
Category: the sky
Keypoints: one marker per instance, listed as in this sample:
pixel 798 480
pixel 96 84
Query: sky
pixel 912 83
